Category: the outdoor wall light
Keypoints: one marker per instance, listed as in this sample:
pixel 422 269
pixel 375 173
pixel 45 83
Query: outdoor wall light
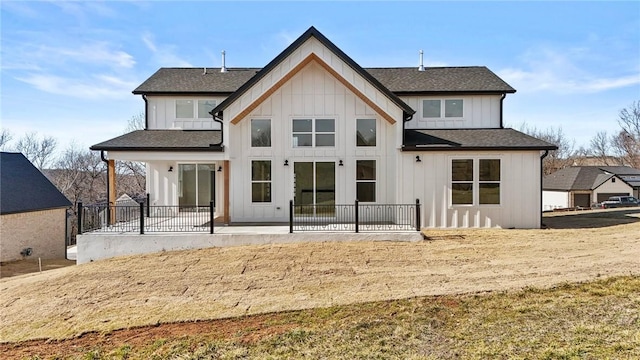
pixel 340 163
pixel 219 168
pixel 418 158
pixel 170 168
pixel 286 163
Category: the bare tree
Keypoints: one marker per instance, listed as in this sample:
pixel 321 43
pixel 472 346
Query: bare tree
pixel 39 150
pixel 131 174
pixel 627 143
pixel 136 122
pixel 557 159
pixel 5 138
pixel 601 148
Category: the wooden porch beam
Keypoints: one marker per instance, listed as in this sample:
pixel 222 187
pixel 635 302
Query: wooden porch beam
pixel 225 197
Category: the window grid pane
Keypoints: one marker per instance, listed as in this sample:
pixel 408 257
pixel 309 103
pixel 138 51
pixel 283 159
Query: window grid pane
pixel 204 107
pixel 489 193
pixel 184 109
pixel 325 140
pixel 260 133
pixel 453 108
pixel 489 170
pixel 462 194
pixel 261 170
pixel 366 132
pixel 431 109
pixel 325 125
pixel 462 170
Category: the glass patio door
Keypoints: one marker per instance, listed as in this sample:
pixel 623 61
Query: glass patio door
pixel 196 184
pixel 315 184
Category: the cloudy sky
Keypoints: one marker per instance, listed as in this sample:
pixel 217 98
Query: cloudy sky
pixel 68 68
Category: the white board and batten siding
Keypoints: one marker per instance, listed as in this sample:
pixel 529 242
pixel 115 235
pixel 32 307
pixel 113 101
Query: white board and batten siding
pixel 430 181
pixel 479 112
pixel 313 46
pixel 311 93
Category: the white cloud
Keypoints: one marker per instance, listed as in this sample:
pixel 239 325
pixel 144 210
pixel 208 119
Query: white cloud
pixel 163 55
pixel 98 53
pixel 94 87
pixel 569 71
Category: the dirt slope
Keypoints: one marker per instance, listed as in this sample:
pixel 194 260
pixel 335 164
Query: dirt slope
pixel 228 282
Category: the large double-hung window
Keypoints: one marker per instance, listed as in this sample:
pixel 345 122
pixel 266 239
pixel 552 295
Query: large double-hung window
pixel 314 132
pixel 475 181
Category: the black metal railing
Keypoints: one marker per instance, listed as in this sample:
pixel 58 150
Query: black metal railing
pixel 356 217
pixel 144 218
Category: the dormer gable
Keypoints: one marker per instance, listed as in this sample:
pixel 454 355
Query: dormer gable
pixel 312 46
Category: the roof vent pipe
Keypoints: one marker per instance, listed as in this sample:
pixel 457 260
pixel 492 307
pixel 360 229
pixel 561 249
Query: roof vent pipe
pixel 421 67
pixel 204 71
pixel 223 68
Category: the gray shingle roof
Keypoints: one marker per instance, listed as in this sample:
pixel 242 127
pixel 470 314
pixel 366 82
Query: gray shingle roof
pixel 166 140
pixel 621 170
pixel 24 188
pixel 477 79
pixel 576 178
pixel 472 139
pixel 195 80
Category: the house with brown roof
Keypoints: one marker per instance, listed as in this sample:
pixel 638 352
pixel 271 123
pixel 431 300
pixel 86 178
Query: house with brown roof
pixel 582 186
pixel 314 129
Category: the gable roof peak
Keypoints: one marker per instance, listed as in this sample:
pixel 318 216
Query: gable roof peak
pixel 313 32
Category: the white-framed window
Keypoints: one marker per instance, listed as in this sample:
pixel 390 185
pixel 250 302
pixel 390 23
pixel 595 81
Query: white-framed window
pixel 189 108
pixel 475 181
pixel 313 132
pixel 261 181
pixel 365 132
pixel 442 108
pixel 260 133
pixel 366 180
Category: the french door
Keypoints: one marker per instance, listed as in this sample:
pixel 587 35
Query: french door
pixel 196 184
pixel 315 187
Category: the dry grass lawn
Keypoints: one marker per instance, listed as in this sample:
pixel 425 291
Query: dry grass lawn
pixel 228 282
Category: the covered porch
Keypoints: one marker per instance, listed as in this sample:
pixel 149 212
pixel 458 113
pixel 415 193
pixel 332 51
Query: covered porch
pixel 187 171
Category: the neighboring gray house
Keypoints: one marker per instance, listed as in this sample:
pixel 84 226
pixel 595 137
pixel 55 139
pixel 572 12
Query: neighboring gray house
pixel 32 212
pixel 628 174
pixel 581 186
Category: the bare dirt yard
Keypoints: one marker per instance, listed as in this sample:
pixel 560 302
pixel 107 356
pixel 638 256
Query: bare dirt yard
pixel 171 291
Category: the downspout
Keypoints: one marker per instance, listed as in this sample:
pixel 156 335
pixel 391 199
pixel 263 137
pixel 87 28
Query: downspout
pixel 146 112
pixel 405 118
pixel 218 117
pixel 546 152
pixel 504 95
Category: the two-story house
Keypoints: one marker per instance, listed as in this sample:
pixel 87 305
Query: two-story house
pixel 314 127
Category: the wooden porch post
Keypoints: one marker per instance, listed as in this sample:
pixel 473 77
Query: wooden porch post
pixel 111 185
pixel 227 215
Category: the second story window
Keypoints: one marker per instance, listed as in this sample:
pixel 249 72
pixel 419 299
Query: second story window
pixel 188 109
pixel 365 132
pixel 313 132
pixel 260 133
pixel 433 109
pixel 184 109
